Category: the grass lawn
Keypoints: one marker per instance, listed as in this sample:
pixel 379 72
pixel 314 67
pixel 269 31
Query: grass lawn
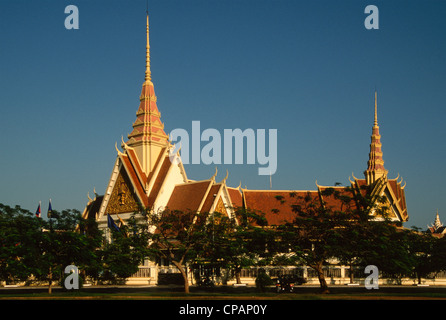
pixel 85 295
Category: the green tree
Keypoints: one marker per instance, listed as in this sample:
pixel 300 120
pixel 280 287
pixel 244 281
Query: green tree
pixel 126 250
pixel 234 243
pixel 34 248
pixel 177 237
pixel 438 257
pixel 316 233
pixel 422 248
pixel 336 225
pixel 20 231
pixel 371 238
pixel 61 243
pixel 386 246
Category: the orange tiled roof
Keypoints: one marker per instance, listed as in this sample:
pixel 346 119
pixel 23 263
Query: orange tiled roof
pixel 210 199
pixel 188 196
pixel 343 202
pixel 236 197
pixel 276 205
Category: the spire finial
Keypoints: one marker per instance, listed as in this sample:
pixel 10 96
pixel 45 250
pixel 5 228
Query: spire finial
pixel 376 110
pixel 148 73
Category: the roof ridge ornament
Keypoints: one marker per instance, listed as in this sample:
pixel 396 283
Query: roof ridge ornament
pixel 225 178
pixel 215 174
pixel 116 147
pixel 123 144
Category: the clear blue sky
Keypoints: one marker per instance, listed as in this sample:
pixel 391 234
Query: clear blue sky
pixel 306 68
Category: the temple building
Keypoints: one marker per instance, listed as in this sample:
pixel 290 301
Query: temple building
pixel 146 173
pixel 437 229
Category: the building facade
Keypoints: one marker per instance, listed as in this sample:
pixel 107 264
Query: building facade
pixel 147 173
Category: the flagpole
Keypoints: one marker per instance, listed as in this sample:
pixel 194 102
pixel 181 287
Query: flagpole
pixel 38 211
pixel 49 215
pixel 50 275
pixel 50 209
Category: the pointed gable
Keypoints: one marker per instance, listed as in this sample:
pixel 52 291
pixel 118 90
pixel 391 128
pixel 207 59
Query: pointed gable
pixel 135 183
pixel 123 197
pixel 396 198
pixel 125 191
pixel 391 189
pixel 399 198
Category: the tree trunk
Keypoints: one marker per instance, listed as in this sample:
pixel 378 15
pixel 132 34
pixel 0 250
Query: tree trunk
pixel 184 274
pixel 321 277
pixel 50 282
pixel 351 272
pixel 238 272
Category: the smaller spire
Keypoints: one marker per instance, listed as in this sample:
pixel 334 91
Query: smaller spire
pixel 375 165
pixel 148 72
pixel 437 223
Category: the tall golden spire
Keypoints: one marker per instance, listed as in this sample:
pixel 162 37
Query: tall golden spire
pixel 148 73
pixel 147 137
pixel 375 165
